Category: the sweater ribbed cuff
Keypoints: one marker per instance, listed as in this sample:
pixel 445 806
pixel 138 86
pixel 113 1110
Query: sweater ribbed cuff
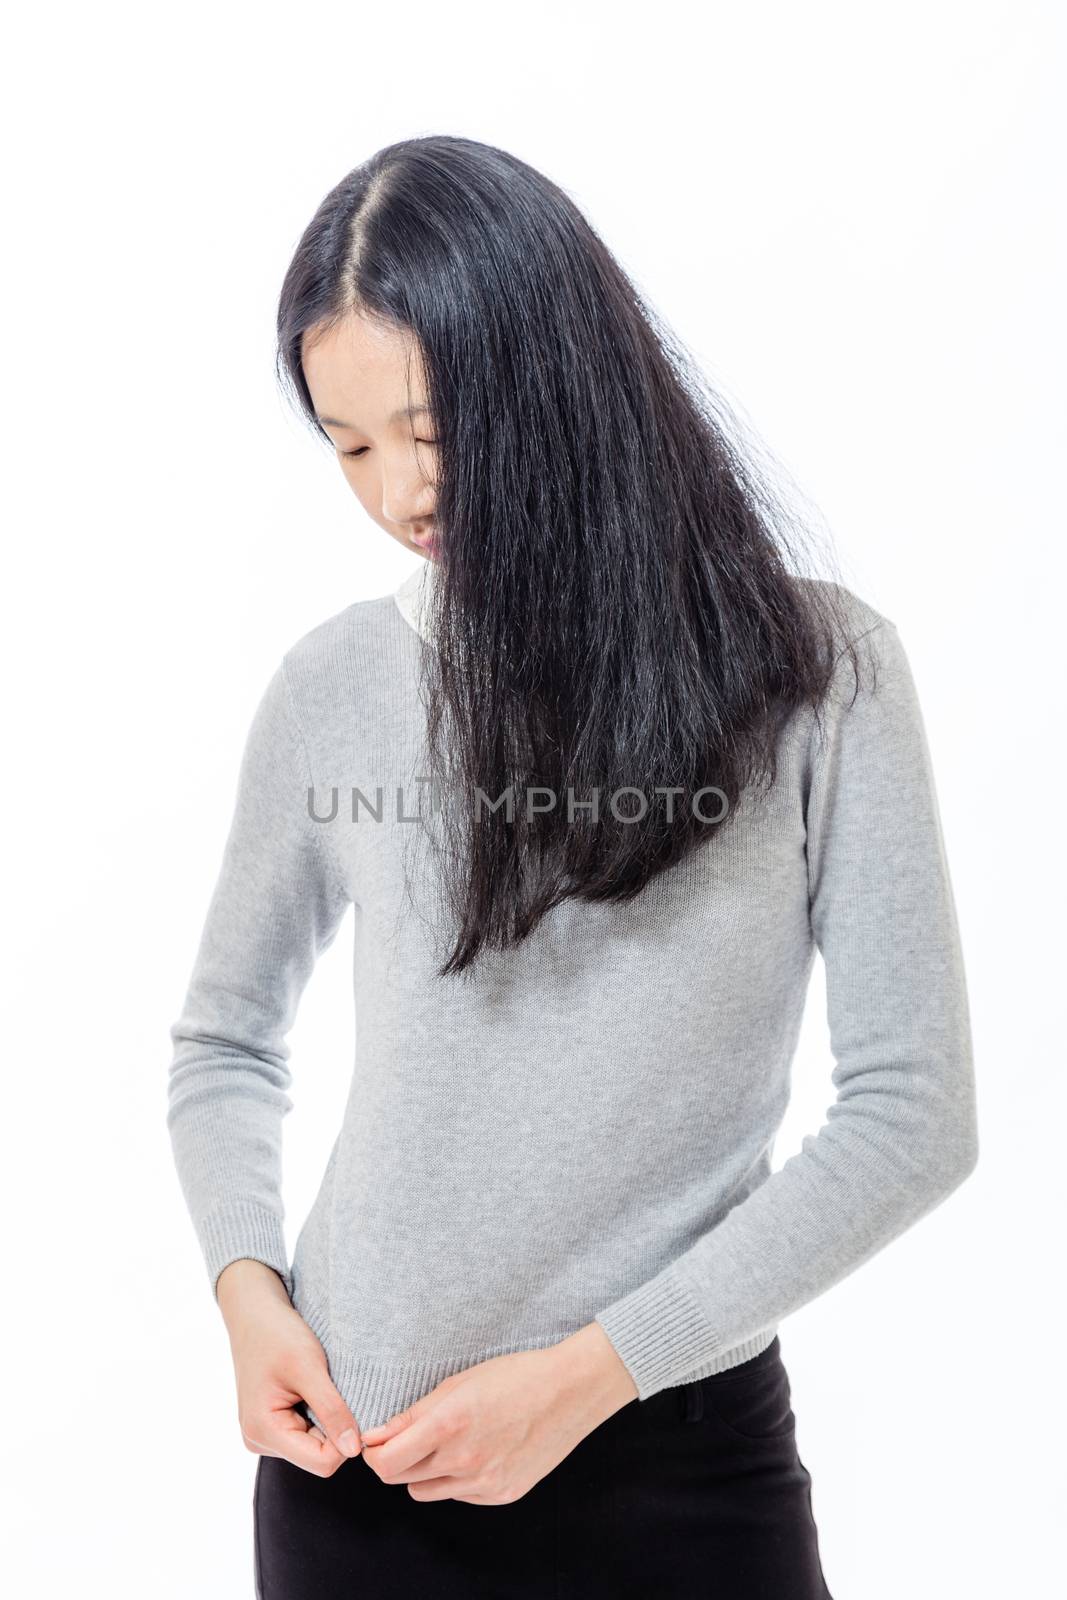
pixel 660 1332
pixel 240 1231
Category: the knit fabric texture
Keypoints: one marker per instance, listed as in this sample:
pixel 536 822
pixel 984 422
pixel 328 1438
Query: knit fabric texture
pixel 581 1128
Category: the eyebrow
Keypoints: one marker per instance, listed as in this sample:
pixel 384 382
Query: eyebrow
pixel 405 411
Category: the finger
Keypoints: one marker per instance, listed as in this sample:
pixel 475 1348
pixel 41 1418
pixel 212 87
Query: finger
pixel 449 1489
pixel 316 1456
pixel 430 1467
pixel 378 1435
pixel 406 1438
pixel 385 1430
pixel 406 1450
pixel 335 1419
pixel 287 1434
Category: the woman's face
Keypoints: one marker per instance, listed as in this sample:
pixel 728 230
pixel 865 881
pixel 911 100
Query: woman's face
pixel 381 431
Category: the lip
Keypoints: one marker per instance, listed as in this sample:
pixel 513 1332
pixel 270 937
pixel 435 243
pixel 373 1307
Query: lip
pixel 425 541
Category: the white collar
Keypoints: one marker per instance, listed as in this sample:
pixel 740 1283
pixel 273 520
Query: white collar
pixel 413 598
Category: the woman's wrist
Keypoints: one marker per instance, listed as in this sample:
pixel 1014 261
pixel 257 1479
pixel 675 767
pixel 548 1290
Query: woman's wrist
pixel 597 1370
pixel 244 1279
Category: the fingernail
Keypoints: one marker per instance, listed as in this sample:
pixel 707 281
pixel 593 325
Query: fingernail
pixel 349 1443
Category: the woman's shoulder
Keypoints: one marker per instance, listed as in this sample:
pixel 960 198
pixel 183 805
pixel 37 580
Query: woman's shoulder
pixel 347 671
pixel 853 617
pixel 357 644
pixel 356 625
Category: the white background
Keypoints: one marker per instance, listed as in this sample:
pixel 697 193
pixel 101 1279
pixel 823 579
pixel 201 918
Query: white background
pixel 853 215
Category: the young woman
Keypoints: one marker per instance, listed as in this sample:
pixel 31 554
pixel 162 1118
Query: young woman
pixel 597 781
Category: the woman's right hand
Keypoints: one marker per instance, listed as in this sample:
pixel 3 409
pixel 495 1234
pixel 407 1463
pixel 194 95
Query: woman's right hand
pixel 278 1361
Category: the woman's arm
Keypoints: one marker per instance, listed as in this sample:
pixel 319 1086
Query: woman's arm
pixel 902 1134
pixel 277 905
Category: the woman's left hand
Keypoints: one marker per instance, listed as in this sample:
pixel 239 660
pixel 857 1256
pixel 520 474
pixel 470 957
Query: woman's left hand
pixel 489 1433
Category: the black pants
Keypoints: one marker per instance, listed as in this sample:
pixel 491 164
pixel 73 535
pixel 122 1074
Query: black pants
pixel 698 1491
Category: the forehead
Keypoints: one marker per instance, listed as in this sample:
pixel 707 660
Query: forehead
pixel 361 366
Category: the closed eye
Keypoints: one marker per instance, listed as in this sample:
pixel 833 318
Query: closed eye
pixel 354 454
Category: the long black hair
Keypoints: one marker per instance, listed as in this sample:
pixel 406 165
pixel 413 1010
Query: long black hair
pixel 621 600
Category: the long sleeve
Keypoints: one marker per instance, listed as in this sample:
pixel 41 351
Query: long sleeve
pixel 277 905
pixel 902 1133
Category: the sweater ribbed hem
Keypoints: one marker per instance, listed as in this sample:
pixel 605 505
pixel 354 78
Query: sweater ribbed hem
pixel 376 1390
pixel 662 1335
pixel 243 1231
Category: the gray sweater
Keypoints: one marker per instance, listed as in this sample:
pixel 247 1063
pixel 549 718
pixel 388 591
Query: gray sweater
pixel 583 1130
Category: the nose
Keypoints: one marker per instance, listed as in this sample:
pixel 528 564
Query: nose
pixel 407 498
pixel 410 508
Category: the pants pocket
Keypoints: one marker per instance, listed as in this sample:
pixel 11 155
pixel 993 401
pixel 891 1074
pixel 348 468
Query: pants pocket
pixel 750 1403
